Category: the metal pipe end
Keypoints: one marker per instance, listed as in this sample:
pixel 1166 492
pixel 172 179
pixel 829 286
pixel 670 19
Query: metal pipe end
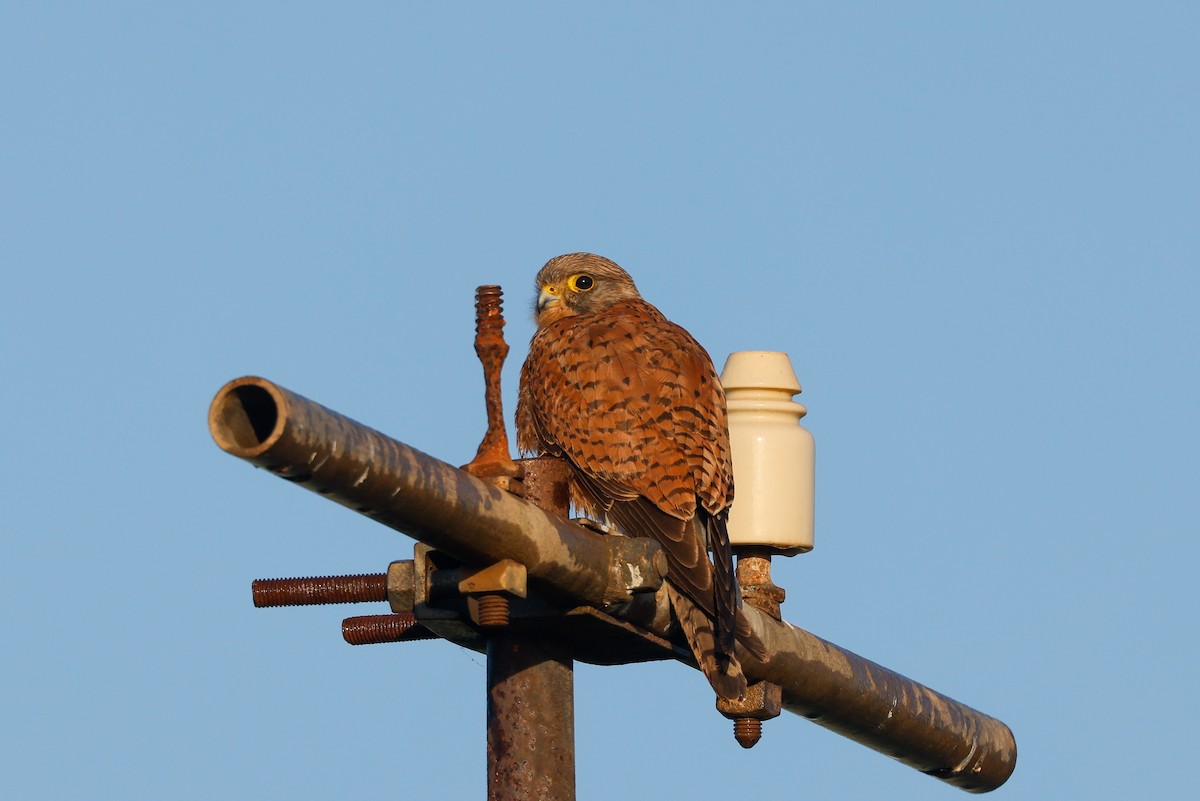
pixel 246 416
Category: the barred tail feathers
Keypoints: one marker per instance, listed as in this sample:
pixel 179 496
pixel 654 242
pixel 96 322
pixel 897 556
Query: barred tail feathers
pixel 722 670
pixel 724 582
pixel 731 622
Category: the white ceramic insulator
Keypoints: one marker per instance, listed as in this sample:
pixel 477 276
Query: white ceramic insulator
pixel 773 455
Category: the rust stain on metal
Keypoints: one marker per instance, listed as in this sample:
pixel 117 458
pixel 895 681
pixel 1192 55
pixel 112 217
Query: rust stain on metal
pixel 530 720
pixel 754 578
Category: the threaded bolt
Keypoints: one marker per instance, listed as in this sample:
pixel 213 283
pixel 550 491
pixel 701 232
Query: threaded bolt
pixel 489 308
pixel 493 609
pixel 374 629
pixel 320 590
pixel 489 328
pixel 747 731
pixel 492 461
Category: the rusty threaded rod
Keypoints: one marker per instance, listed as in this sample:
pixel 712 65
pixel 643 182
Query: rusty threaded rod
pixel 375 629
pixel 489 313
pixel 493 458
pixel 747 731
pixel 314 590
pixel 492 351
pixel 493 609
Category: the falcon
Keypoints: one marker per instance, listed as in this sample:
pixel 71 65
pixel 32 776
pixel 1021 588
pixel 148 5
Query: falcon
pixel 632 402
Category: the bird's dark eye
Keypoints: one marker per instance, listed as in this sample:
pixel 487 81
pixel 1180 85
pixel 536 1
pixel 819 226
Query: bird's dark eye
pixel 581 283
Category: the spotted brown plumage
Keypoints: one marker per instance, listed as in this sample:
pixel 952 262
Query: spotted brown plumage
pixel 633 403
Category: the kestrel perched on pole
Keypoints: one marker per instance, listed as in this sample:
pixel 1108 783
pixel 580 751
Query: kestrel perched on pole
pixel 633 403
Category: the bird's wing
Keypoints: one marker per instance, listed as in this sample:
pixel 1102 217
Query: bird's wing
pixel 633 402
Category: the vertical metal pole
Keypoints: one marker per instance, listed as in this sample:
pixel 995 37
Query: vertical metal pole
pixel 530 720
pixel 531 689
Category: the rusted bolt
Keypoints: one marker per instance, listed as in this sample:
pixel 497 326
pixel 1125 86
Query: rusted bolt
pixel 763 701
pixel 361 588
pixel 374 629
pixel 490 589
pixel 747 731
pixel 493 609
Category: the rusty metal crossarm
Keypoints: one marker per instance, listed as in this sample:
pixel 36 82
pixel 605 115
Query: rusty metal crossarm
pixel 478 524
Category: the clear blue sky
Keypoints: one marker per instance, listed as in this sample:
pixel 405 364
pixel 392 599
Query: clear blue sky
pixel 973 226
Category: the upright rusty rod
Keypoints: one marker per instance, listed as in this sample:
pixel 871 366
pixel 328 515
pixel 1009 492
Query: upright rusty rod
pixel 493 459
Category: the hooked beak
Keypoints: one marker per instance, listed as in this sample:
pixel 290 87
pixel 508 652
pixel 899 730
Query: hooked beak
pixel 547 298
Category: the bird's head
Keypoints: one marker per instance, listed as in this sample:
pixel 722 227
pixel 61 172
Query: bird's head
pixel 579 283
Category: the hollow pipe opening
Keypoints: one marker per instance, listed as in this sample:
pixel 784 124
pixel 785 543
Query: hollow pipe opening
pixel 243 416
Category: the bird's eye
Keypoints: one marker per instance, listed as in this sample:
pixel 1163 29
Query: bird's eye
pixel 581 283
